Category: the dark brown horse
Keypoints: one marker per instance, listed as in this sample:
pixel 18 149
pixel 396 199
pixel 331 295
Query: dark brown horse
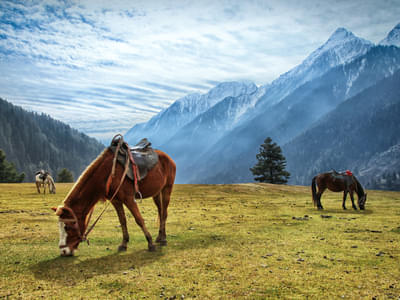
pixel 104 179
pixel 337 182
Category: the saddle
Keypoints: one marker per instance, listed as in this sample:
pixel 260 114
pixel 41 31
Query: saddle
pixel 43 175
pixel 346 176
pixel 143 155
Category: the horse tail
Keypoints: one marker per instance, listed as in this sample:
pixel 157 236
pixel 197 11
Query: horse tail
pixel 314 190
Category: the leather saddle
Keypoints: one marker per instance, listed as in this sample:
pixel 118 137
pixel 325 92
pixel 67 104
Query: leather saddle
pixel 143 155
pixel 347 177
pixel 42 174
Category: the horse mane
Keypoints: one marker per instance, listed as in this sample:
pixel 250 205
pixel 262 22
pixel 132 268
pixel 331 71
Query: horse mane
pixel 359 190
pixel 51 181
pixel 85 175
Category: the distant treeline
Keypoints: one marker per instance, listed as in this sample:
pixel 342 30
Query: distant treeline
pixel 35 141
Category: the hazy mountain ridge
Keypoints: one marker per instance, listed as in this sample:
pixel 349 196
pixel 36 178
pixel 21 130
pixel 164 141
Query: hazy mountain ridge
pixel 341 47
pixel 207 128
pixel 165 124
pixel 360 134
pixel 393 37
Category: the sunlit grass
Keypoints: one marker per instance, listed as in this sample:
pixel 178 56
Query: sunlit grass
pixel 248 241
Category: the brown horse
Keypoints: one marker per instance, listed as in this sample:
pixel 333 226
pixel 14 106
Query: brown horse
pixel 337 182
pixel 105 179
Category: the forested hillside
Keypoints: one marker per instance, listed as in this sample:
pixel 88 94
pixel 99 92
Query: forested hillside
pixel 36 141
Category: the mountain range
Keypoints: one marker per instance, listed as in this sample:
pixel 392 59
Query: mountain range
pixel 214 137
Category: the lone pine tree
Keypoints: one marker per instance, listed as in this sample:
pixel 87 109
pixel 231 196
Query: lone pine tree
pixel 271 164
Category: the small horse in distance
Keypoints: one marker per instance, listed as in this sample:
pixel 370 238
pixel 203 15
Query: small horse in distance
pixel 105 178
pixel 337 182
pixel 43 179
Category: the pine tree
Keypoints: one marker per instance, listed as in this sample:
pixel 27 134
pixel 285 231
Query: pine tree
pixel 8 173
pixel 271 164
pixel 65 176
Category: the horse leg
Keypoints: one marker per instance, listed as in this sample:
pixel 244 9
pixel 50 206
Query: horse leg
pixel 319 194
pixel 158 203
pixel 134 209
pixel 122 220
pixel 344 199
pixel 166 196
pixel 38 187
pixel 352 200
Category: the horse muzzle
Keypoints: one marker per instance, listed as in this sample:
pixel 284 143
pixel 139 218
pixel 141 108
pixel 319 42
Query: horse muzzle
pixel 66 251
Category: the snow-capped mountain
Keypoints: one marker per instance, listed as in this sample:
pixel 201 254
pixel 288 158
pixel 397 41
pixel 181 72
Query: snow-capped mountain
pixel 393 37
pixel 203 131
pixel 221 131
pixel 341 47
pixel 165 124
pixel 290 117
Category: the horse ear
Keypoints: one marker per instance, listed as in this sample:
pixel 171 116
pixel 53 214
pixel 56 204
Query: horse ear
pixel 58 210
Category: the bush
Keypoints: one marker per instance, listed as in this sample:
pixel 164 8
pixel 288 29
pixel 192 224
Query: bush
pixel 65 176
pixel 8 173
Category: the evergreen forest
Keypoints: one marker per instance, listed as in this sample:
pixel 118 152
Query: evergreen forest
pixel 33 141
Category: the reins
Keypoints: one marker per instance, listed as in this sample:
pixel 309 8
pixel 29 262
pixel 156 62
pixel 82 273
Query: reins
pixel 128 158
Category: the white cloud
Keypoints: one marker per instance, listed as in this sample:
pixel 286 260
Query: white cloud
pixel 86 62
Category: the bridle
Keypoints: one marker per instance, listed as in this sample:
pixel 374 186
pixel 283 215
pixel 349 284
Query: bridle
pixel 75 223
pixel 128 158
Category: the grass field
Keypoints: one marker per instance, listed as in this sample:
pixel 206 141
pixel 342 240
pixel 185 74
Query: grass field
pixel 248 241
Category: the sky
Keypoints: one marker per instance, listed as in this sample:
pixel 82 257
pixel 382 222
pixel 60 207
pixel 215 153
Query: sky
pixel 103 66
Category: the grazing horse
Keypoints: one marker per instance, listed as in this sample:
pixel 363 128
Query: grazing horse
pixel 337 182
pixel 43 179
pixel 105 179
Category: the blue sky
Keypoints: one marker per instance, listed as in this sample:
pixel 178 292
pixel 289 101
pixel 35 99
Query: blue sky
pixel 103 66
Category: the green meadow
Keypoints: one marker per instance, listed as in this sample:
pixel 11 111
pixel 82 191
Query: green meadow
pixel 245 241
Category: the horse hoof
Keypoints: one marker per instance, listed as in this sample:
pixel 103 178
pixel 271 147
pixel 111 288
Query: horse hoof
pixel 162 243
pixel 122 248
pixel 152 248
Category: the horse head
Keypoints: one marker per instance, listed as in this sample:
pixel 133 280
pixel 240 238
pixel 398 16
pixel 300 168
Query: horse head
pixel 361 201
pixel 70 233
